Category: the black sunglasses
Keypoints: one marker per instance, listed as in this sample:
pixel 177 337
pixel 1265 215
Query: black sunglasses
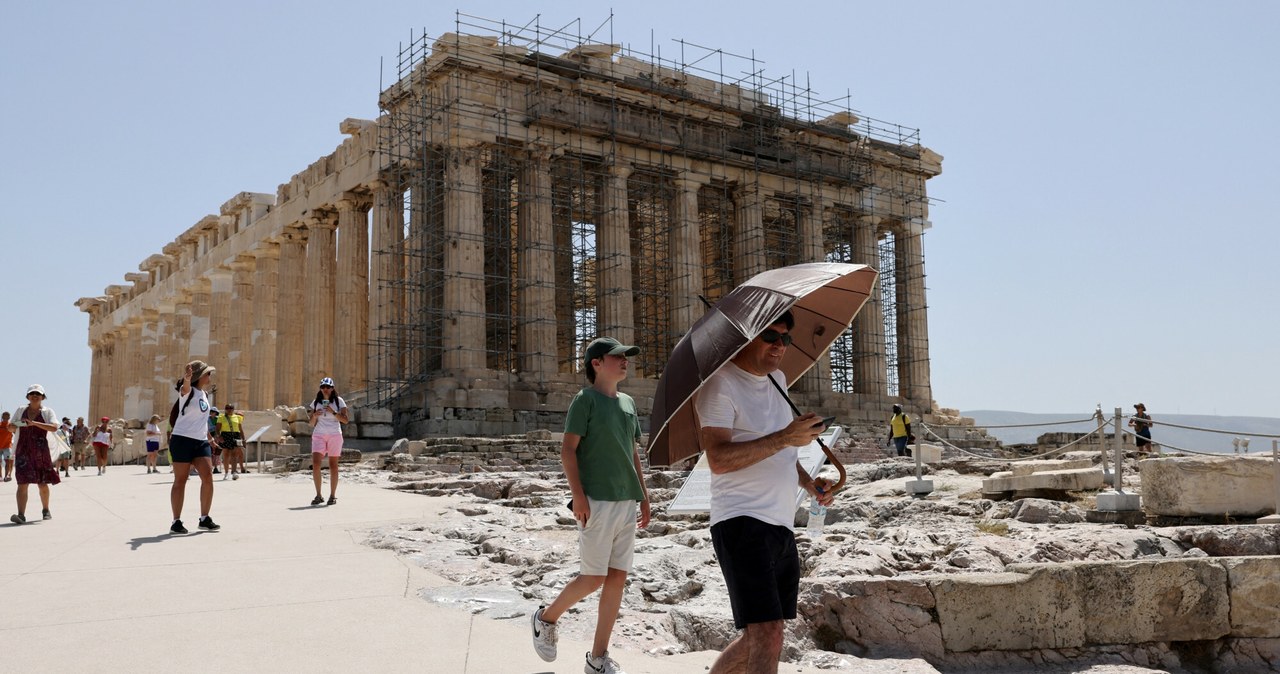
pixel 771 336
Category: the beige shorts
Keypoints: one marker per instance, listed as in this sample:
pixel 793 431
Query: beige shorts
pixel 609 539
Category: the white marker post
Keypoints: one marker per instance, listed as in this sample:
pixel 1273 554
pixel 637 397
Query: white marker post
pixel 1116 500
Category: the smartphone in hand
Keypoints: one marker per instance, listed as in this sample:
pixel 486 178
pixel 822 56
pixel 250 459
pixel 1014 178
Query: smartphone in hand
pixel 825 422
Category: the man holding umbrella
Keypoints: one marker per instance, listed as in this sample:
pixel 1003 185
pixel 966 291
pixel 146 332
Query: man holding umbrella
pixel 752 440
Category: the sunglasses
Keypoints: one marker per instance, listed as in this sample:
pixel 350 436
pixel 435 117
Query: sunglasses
pixel 326 386
pixel 771 336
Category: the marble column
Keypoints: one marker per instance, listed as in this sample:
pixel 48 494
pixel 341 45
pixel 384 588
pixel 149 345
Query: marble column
pixel 126 375
pixel 198 343
pixel 182 320
pixel 464 339
pixel 351 306
pixel 614 303
pixel 817 381
pixel 536 266
pixel 95 376
pixel 240 352
pixel 317 337
pixel 914 349
pixel 106 390
pixel 262 361
pixel 748 240
pixel 686 256
pixel 868 328
pixel 163 369
pixel 220 335
pixel 145 374
pixel 290 311
pixel 386 289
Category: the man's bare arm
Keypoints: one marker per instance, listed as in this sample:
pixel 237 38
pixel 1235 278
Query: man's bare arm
pixel 726 456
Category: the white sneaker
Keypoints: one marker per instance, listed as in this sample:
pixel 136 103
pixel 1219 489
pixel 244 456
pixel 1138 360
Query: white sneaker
pixel 235 476
pixel 544 636
pixel 602 665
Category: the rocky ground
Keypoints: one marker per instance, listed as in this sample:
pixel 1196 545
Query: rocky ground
pixel 506 542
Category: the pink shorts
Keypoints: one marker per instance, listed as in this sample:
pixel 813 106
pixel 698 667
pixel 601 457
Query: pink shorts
pixel 328 445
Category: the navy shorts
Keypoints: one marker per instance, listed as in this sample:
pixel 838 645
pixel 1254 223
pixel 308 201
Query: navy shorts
pixel 761 569
pixel 186 450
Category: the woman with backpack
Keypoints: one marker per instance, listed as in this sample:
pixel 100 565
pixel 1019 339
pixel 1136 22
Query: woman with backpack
pixel 189 444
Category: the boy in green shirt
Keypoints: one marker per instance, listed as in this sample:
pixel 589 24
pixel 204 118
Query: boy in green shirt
pixel 601 457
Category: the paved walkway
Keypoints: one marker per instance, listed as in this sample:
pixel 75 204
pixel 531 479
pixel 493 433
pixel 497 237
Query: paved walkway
pixel 103 587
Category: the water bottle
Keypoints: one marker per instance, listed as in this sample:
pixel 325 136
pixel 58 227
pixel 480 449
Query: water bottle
pixel 817 517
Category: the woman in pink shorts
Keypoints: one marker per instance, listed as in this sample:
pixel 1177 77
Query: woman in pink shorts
pixel 328 413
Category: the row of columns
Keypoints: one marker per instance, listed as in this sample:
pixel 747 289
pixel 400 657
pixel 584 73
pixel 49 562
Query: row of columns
pixel 273 321
pixel 300 306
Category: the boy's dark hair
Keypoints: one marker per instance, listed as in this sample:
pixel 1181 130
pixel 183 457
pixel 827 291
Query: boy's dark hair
pixel 786 318
pixel 591 372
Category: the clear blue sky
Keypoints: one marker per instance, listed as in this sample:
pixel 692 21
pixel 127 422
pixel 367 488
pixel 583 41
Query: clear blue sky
pixel 1105 231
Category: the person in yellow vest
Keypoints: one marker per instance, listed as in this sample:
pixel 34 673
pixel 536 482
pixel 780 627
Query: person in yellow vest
pixel 231 441
pixel 900 431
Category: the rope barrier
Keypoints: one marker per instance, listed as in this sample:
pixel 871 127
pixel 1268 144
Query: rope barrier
pixel 1173 447
pixel 1048 423
pixel 1051 452
pixel 1213 430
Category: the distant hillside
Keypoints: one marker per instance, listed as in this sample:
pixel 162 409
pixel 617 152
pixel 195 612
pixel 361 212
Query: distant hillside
pixel 1245 427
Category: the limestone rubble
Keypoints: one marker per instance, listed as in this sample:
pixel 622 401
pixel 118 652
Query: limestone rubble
pixel 505 543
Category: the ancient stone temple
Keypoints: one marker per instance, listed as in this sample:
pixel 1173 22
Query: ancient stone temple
pixel 520 193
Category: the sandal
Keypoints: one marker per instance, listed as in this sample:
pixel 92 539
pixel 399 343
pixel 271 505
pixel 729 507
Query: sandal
pixel 333 500
pixel 318 500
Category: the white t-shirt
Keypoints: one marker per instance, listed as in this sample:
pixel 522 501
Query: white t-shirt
pixel 153 430
pixel 327 423
pixel 193 421
pixel 751 408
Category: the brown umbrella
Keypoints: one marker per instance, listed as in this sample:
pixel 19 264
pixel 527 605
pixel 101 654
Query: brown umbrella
pixel 823 298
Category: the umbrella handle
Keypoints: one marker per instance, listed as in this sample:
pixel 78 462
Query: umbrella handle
pixel 835 462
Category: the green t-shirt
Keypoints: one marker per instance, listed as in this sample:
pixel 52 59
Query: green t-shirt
pixel 609 428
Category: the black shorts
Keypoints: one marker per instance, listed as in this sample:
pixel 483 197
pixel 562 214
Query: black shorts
pixel 185 450
pixel 761 568
pixel 1144 437
pixel 229 440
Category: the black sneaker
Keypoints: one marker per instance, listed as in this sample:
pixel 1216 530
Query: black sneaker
pixel 216 471
pixel 177 528
pixel 207 524
pixel 318 500
pixel 17 519
pixel 333 500
pixel 44 514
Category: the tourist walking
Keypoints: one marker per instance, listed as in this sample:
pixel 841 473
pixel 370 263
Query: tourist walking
pixel 601 457
pixel 1140 422
pixel 900 431
pixel 752 442
pixel 214 444
pixel 189 444
pixel 63 462
pixel 102 443
pixel 6 446
pixel 328 413
pixel 31 456
pixel 232 441
pixel 153 443
pixel 79 443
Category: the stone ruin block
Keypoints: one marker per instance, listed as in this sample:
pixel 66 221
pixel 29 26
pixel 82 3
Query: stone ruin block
pixel 373 415
pixel 377 431
pixel 1193 486
pixel 300 429
pixel 297 414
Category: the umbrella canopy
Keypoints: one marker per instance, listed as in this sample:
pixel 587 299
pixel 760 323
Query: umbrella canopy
pixel 823 298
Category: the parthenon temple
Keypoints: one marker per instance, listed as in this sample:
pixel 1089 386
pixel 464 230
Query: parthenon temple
pixel 521 192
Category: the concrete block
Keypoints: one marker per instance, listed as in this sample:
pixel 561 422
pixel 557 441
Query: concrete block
pixel 919 487
pixel 1113 501
pixel 929 453
pixel 1192 486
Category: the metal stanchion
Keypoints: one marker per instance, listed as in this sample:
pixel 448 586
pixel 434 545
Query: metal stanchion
pixel 919 487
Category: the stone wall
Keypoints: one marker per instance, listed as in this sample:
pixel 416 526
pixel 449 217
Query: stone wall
pixel 1049 607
